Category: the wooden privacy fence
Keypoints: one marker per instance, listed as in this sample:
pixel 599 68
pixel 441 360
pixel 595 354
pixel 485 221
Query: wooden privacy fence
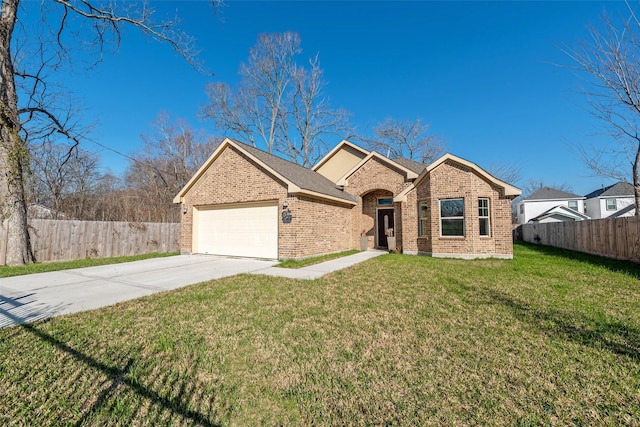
pixel 617 238
pixel 62 240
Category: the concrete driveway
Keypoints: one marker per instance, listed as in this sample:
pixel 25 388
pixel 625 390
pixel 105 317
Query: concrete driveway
pixel 38 296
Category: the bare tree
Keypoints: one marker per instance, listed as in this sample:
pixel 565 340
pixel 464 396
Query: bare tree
pixel 278 103
pixel 610 64
pixel 405 138
pixel 62 179
pixel 29 57
pixel 506 172
pixel 167 160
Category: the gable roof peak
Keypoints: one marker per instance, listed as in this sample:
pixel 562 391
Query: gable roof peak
pixel 298 178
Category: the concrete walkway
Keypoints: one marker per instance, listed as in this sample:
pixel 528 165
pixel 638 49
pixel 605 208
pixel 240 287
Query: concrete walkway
pixel 39 296
pixel 316 271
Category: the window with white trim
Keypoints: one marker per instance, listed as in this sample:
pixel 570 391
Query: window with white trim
pixel 483 217
pixel 573 204
pixel 611 204
pixel 423 217
pixel 452 217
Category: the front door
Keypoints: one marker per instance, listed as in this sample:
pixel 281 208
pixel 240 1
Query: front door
pixel 380 226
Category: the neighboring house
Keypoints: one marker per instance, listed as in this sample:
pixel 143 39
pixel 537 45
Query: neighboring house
pixel 560 213
pixel 246 202
pixel 616 200
pixel 545 201
pixel 36 210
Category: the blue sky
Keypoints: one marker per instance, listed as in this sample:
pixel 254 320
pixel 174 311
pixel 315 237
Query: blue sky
pixel 485 75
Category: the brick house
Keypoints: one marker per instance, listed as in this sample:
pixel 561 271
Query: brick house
pixel 246 202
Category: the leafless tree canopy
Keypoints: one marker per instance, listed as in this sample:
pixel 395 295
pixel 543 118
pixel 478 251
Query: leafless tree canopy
pixel 278 104
pixel 32 106
pixel 406 138
pixel 609 63
pixel 506 172
pixel 168 159
pixel 62 180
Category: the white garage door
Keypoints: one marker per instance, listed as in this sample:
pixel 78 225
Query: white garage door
pixel 246 231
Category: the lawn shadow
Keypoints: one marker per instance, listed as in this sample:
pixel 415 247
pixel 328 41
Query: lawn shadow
pixel 615 336
pixel 23 308
pixel 620 266
pixel 119 376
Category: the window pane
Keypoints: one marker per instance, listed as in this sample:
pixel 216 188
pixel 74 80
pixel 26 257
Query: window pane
pixel 423 227
pixel 423 210
pixel 451 208
pixel 484 226
pixel 385 201
pixel 483 207
pixel 573 205
pixel 611 204
pixel 422 218
pixel 453 227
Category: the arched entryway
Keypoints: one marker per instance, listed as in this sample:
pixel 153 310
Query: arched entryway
pixel 378 217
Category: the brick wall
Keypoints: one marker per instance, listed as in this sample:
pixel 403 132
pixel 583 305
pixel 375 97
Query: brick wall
pixel 374 179
pixel 317 226
pixel 451 180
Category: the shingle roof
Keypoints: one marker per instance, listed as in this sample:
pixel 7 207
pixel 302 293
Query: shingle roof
pixel 304 178
pixel 412 165
pixel 548 193
pixel 618 189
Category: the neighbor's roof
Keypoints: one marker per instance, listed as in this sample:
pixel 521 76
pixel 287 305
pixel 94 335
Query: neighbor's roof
pixel 548 193
pixel 562 211
pixel 618 189
pixel 416 167
pixel 298 179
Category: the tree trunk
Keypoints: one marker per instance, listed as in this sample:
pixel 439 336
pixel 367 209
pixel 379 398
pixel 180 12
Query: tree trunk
pixel 13 154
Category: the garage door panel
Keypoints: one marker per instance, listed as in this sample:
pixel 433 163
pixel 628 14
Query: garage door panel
pixel 250 231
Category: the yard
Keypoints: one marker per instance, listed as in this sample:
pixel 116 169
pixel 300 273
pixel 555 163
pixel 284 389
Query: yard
pixel 547 338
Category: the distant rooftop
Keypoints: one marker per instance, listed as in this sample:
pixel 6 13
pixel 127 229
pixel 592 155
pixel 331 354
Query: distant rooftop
pixel 618 189
pixel 548 193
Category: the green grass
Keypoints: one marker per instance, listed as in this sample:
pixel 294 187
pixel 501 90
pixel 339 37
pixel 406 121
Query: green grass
pixel 551 338
pixel 7 271
pixel 299 263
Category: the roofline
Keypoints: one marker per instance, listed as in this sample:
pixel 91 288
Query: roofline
pixel 343 180
pixel 551 200
pixel 335 149
pixel 611 196
pixel 509 190
pixel 317 195
pixel 291 187
pixel 550 214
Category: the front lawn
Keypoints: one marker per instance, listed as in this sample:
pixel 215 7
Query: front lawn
pixel 397 340
pixel 41 267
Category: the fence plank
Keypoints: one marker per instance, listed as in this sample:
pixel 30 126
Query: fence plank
pixel 60 240
pixel 617 238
